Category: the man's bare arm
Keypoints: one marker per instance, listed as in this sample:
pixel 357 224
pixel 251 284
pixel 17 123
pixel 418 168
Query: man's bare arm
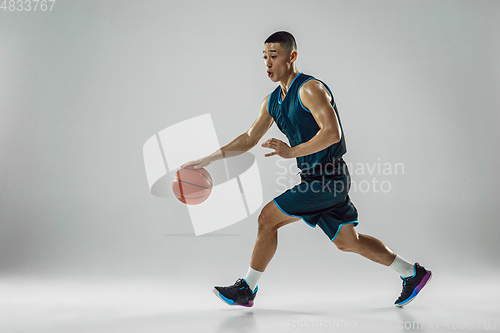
pixel 242 143
pixel 316 98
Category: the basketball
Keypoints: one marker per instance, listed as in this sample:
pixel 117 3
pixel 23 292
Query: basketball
pixel 192 186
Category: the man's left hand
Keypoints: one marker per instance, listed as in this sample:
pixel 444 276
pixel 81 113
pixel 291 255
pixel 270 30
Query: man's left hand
pixel 280 148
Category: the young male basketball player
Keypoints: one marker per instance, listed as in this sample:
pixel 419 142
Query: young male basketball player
pixel 305 111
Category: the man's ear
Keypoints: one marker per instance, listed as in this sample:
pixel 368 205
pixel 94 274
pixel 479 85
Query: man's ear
pixel 293 56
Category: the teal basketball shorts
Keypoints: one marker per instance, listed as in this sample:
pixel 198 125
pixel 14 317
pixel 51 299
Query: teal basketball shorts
pixel 321 199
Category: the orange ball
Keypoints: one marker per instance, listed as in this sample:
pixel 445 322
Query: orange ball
pixel 192 186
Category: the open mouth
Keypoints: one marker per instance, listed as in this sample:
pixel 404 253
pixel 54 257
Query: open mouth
pixel 269 74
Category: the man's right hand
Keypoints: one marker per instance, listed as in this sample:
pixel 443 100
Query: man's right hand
pixel 199 163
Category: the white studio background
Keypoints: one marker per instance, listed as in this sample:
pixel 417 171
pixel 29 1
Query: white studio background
pixel 84 86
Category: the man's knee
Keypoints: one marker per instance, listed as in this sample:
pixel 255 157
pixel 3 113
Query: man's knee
pixel 346 245
pixel 265 222
pixel 271 218
pixel 347 239
pixel 342 246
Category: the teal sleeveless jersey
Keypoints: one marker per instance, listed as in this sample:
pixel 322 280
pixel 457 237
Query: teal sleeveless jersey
pixel 299 125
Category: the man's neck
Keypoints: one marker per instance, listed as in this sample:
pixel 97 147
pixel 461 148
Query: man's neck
pixel 286 83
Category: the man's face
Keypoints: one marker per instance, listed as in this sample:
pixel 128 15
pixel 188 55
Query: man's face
pixel 278 61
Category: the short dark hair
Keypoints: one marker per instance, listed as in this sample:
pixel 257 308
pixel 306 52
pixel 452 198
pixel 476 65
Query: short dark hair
pixel 285 39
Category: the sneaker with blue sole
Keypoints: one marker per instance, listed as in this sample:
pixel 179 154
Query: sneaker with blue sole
pixel 237 294
pixel 413 285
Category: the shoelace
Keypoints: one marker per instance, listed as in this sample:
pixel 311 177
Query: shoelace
pixel 235 290
pixel 405 291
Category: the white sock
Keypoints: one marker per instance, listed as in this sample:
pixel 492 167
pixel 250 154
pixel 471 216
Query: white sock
pixel 252 277
pixel 403 267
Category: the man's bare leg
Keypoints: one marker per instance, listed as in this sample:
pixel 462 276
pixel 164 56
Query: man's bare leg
pixel 270 220
pixel 415 277
pixel 369 247
pixel 244 290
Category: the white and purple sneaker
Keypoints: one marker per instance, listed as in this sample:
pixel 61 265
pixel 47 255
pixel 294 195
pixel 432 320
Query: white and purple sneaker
pixel 237 294
pixel 413 284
